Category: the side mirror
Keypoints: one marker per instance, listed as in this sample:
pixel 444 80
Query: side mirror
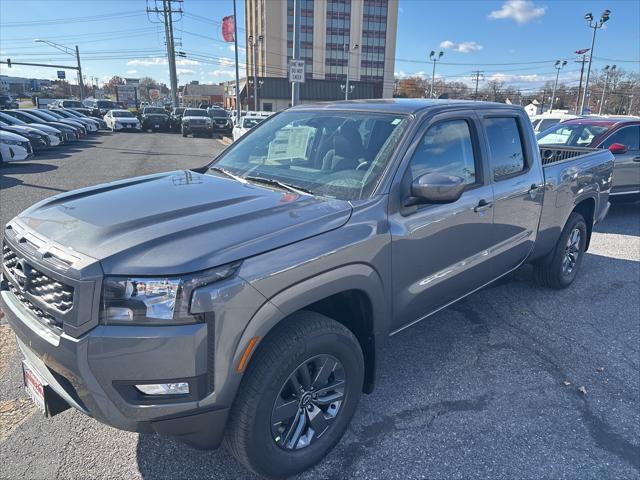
pixel 617 148
pixel 436 188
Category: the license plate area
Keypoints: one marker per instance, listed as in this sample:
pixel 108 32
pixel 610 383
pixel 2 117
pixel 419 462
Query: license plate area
pixel 41 393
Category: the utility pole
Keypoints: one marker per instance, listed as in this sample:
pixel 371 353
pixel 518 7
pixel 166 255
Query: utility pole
pixel 558 66
pixel 582 61
pixel 434 59
pixel 80 81
pixel 235 40
pixel 595 26
pixel 68 51
pixel 606 80
pixel 345 86
pixel 477 76
pixel 295 86
pixel 167 11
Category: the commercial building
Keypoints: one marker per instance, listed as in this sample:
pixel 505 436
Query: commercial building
pixel 337 38
pixel 195 93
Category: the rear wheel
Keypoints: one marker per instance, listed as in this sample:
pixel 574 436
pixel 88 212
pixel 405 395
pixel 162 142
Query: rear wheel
pixel 560 268
pixel 297 397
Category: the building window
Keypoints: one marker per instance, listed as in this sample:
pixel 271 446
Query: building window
pixel 306 33
pixel 374 35
pixel 338 34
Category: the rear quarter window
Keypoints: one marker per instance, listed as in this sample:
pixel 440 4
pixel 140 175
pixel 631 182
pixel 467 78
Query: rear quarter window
pixel 505 144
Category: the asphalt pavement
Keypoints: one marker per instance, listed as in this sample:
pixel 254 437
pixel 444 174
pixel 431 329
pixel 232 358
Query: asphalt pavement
pixel 514 382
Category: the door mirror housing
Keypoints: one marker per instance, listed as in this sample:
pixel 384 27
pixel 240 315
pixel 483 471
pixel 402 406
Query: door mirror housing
pixel 617 148
pixel 436 188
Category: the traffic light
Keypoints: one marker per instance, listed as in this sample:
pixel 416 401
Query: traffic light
pixel 9 62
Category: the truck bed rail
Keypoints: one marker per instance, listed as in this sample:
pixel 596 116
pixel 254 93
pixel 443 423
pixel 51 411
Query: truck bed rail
pixel 553 154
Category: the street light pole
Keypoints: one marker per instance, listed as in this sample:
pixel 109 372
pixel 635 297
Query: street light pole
pixel 254 44
pixel 606 80
pixel 595 26
pixel 434 59
pixel 558 66
pixel 348 49
pixel 68 51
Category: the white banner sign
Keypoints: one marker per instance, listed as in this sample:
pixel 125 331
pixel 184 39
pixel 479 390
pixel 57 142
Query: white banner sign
pixel 296 71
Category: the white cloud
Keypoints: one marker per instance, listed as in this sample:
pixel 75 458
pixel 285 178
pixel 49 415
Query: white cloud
pixel 148 61
pixel 222 73
pixel 185 71
pixel 131 72
pixel 462 47
pixel 522 11
pixel 186 61
pixel 241 50
pixel 227 62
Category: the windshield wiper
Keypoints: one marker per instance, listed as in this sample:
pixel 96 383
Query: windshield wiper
pixel 276 183
pixel 228 174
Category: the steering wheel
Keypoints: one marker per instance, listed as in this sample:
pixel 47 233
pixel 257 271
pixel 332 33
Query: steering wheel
pixel 363 165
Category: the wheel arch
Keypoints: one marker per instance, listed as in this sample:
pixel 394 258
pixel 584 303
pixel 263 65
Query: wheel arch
pixel 352 295
pixel 587 208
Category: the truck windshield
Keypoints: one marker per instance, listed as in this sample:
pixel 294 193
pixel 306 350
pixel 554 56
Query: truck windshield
pixel 332 154
pixel 195 112
pixel 122 114
pixel 149 110
pixel 571 135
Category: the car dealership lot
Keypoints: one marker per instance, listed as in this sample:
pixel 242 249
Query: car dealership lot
pixel 491 387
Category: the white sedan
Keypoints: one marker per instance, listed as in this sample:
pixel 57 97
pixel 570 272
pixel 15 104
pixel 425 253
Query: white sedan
pixel 14 148
pixel 246 124
pixel 119 120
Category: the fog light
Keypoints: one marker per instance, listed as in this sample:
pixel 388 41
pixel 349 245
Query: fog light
pixel 181 388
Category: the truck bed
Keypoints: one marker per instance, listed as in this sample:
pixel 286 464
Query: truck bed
pixel 571 175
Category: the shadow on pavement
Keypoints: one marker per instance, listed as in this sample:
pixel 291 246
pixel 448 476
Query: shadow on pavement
pixel 22 168
pixel 623 219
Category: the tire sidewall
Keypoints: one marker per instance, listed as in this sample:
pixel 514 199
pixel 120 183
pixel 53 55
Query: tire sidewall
pixel 268 457
pixel 575 222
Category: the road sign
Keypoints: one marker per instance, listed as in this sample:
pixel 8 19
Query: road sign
pixel 296 71
pixel 61 74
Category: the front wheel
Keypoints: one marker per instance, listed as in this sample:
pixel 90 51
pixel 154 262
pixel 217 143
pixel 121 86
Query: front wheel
pixel 297 397
pixel 560 268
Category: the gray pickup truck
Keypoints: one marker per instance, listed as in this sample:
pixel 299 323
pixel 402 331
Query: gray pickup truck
pixel 246 302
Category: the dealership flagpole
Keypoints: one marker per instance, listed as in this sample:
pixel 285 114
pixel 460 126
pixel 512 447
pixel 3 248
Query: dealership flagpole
pixel 235 40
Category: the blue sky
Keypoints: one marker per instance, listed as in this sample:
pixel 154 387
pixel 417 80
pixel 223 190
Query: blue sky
pixel 524 36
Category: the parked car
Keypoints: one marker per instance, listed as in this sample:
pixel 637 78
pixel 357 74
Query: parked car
pixel 14 148
pixel 246 123
pixel 7 102
pixel 154 118
pixel 71 134
pixel 221 121
pixel 56 137
pixel 621 135
pixel 196 121
pixel 39 140
pixel 176 118
pixel 99 108
pixel 547 120
pixel 250 299
pixel 65 103
pixel 122 120
pixel 51 117
pixel 90 124
pixel 102 125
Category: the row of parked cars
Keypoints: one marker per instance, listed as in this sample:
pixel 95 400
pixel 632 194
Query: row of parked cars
pixel 619 135
pixel 26 131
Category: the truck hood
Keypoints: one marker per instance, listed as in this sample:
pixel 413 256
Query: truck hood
pixel 180 222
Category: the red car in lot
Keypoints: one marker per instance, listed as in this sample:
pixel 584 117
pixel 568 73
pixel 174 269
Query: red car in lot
pixel 620 135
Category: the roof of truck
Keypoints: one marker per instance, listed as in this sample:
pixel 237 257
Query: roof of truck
pixel 400 105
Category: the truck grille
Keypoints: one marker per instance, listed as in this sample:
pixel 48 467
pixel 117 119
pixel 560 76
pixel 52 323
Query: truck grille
pixel 44 317
pixel 52 293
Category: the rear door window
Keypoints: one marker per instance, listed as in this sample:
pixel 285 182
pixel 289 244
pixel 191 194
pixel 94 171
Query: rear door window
pixel 505 144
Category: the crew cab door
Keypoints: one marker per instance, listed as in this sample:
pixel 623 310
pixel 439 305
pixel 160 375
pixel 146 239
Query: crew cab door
pixel 516 174
pixel 440 252
pixel 626 170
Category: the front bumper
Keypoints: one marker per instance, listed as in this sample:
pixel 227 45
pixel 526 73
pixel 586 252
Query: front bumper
pixel 155 124
pixel 198 128
pixel 19 153
pixel 128 127
pixel 96 374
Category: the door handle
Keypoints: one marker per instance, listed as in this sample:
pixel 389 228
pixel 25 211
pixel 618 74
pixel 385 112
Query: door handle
pixel 534 188
pixel 482 206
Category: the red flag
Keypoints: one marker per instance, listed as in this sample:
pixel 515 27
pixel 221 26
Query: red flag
pixel 583 51
pixel 228 32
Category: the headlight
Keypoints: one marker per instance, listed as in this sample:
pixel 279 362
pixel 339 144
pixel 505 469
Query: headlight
pixel 155 300
pixel 10 142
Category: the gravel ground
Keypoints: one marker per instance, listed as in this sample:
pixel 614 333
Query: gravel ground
pixel 515 382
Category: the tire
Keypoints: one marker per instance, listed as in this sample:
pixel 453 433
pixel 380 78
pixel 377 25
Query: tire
pixel 304 339
pixel 553 271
